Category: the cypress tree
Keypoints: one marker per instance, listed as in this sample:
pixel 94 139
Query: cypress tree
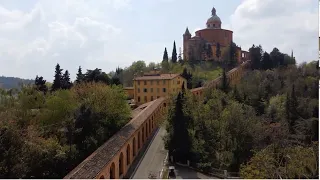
pixel 165 56
pixel 57 82
pixel 174 53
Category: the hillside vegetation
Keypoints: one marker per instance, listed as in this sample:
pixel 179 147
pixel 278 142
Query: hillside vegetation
pixel 45 132
pixel 264 127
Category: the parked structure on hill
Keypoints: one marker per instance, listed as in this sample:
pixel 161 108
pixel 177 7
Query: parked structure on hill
pixel 154 85
pixel 212 36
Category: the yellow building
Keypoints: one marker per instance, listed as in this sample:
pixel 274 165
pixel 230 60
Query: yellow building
pixel 152 86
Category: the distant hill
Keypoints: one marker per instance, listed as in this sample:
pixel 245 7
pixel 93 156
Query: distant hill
pixel 13 82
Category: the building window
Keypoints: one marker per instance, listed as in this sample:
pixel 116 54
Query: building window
pixel 138 98
pixel 145 99
pixel 157 90
pixel 151 98
pixel 178 82
pixel 145 82
pixel 173 89
pixel 164 82
pixel 158 97
pixel 138 90
pixel 164 89
pixel 157 82
pixel 138 82
pixel 145 90
pixel 151 89
pixel 151 82
pixel 214 25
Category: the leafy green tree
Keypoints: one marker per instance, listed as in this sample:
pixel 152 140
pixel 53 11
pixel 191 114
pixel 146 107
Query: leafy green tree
pixel 282 162
pixel 96 75
pixel 41 84
pixel 174 53
pixel 57 82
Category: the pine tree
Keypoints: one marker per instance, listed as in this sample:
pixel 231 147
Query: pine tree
pixel 57 82
pixel 80 76
pixel 218 51
pixel 165 56
pixel 174 53
pixel 66 84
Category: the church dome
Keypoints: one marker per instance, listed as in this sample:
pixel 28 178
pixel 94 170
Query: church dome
pixel 214 21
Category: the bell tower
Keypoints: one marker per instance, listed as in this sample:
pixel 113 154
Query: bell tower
pixel 186 37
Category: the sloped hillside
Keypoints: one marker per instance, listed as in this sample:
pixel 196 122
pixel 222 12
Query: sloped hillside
pixel 13 82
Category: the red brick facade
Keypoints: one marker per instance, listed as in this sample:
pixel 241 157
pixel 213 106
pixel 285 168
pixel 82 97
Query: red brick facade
pixel 210 36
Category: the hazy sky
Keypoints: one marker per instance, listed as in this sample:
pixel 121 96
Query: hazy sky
pixel 35 35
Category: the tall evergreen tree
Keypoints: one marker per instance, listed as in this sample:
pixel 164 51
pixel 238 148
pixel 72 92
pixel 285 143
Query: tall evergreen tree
pixel 174 53
pixel 41 84
pixel 165 56
pixel 57 82
pixel 66 83
pixel 209 51
pixel 180 145
pixel 291 109
pixel 80 76
pixel 266 61
pixel 255 56
pixel 218 51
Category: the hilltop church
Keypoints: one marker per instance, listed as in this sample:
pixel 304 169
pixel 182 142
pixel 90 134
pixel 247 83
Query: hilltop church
pixel 210 37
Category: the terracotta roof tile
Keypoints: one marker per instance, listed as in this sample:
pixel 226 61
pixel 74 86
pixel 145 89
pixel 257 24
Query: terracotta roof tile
pixel 154 77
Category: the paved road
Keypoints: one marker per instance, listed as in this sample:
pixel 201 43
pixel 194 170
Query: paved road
pixel 153 159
